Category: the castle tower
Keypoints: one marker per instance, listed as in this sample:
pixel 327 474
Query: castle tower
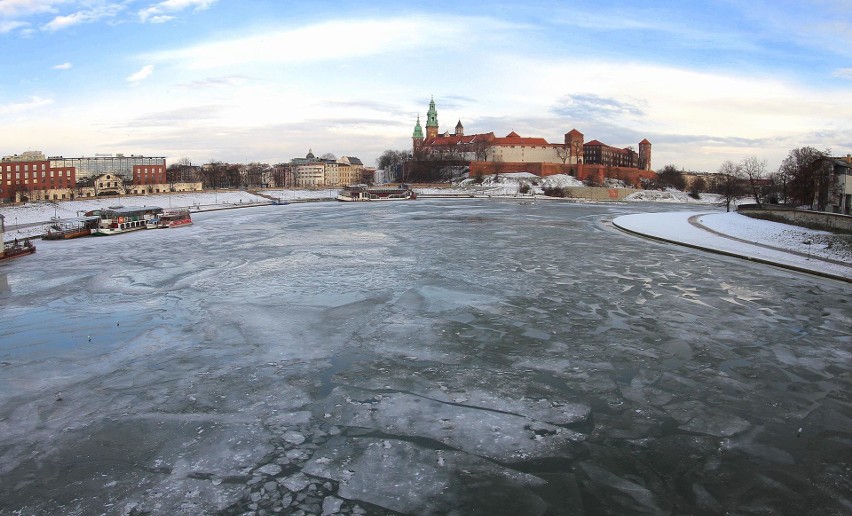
pixel 417 137
pixel 432 120
pixel 459 129
pixel 574 142
pixel 645 155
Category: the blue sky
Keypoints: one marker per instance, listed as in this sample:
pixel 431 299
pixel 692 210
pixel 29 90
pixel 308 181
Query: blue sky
pixel 268 80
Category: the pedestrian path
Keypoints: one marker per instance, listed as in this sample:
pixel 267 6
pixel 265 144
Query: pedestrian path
pixel 686 228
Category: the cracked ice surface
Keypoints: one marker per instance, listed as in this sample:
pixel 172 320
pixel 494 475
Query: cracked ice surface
pixel 495 435
pixel 404 477
pixel 427 357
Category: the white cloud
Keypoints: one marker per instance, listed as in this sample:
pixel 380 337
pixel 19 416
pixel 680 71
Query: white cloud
pixel 843 73
pixel 9 26
pixel 88 16
pixel 329 40
pixel 14 8
pixel 23 107
pixel 142 74
pixel 64 66
pixel 159 13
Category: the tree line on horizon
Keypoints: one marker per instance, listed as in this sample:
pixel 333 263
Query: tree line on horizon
pixel 802 179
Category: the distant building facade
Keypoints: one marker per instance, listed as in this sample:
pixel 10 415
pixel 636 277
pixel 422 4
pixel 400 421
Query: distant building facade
pixel 488 153
pixel 32 176
pixel 313 172
pixel 840 191
pixel 128 167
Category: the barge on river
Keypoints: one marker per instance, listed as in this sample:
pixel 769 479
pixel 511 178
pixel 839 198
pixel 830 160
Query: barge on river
pixel 171 218
pixel 123 219
pixel 15 248
pixel 72 228
pixel 355 193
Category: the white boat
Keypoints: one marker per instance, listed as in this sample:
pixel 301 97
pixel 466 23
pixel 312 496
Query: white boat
pixel 354 193
pixel 121 219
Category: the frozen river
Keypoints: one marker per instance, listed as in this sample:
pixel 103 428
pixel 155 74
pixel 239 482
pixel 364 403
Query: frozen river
pixel 462 357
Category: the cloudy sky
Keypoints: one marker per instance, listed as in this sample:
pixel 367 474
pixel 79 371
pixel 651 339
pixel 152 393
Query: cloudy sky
pixel 266 80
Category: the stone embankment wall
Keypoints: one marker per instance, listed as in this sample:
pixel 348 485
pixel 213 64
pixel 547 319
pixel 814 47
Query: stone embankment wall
pixel 815 219
pixel 597 193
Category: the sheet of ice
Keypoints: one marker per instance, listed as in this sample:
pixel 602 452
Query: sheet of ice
pixel 423 480
pixel 236 365
pixel 500 436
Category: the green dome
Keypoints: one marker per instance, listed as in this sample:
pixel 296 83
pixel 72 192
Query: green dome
pixel 418 131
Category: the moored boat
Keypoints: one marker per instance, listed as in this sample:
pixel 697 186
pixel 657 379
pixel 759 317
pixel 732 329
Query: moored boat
pixel 171 218
pixel 15 249
pixel 72 228
pixel 355 193
pixel 121 219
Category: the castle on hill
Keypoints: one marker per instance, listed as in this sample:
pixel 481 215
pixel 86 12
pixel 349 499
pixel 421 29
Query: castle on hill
pixel 489 154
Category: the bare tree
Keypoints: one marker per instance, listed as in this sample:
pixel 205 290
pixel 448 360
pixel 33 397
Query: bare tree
pixel 697 186
pixel 393 162
pixel 806 174
pixel 479 150
pixel 754 170
pixel 499 167
pixel 671 176
pixel 563 152
pixel 729 183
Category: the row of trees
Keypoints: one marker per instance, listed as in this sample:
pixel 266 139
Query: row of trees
pixel 425 167
pixel 804 178
pixel 225 175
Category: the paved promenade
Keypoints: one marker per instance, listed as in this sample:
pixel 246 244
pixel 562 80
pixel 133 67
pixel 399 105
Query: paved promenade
pixel 753 239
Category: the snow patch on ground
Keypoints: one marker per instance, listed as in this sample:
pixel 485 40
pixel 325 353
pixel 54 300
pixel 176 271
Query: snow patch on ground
pixel 511 183
pixel 671 195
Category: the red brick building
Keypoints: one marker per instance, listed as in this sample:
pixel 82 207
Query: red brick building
pixel 149 174
pixel 31 176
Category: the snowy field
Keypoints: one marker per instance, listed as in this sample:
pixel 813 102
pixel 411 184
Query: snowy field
pixel 478 356
pixel 36 216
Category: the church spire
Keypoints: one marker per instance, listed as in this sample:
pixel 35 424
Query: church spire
pixel 418 131
pixel 432 120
